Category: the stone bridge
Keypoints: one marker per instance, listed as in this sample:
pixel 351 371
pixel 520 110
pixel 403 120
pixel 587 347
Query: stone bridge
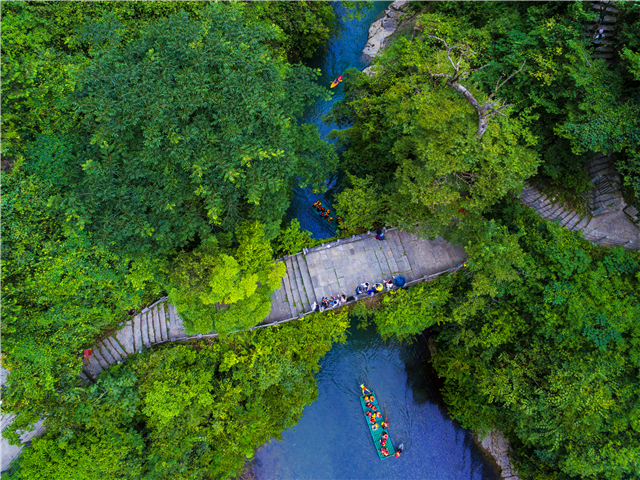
pixel 330 269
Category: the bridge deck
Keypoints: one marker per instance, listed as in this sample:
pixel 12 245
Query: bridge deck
pixel 334 268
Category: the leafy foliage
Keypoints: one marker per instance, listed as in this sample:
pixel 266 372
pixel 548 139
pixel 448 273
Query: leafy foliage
pixel 59 293
pixel 213 143
pixel 214 291
pixel 293 239
pixel 187 411
pixel 407 312
pixel 549 353
pixel 137 130
pixel 417 141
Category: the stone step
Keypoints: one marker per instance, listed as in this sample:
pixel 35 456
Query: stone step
pixel 542 208
pixel 304 298
pixel 125 337
pixel 155 314
pixel 137 332
pixel 540 202
pixel 106 354
pixel 176 327
pixel 599 170
pixel 154 327
pixel 162 315
pixel 581 225
pixel 92 367
pixel 545 207
pixel 289 294
pixel 387 248
pixel 396 246
pixel 605 19
pixel 401 238
pixel 607 197
pixel 603 49
pixel 104 364
pixel 118 346
pixel 306 278
pixel 297 301
pixel 115 349
pixel 553 212
pixel 382 258
pixel 602 55
pixel 144 326
pixel 606 28
pixel 576 220
pixel 568 219
pixel 564 214
pixel 606 8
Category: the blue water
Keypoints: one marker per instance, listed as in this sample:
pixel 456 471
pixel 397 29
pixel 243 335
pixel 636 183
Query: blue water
pixel 343 52
pixel 332 440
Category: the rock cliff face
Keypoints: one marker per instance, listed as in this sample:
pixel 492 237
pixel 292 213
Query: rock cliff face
pixel 382 29
pixel 498 446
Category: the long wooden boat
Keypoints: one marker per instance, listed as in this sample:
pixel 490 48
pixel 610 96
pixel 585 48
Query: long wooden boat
pixel 376 429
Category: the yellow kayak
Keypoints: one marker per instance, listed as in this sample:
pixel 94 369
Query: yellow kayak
pixel 336 81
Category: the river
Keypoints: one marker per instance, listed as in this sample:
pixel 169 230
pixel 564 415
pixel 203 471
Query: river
pixel 332 440
pixel 343 52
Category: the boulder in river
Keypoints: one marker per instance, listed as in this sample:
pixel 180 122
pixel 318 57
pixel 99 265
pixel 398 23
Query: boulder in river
pixel 382 29
pixel 498 446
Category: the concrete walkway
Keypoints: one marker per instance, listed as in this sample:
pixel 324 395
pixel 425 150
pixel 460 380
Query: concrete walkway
pixel 330 269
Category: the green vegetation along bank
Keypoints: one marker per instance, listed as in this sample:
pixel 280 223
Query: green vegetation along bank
pixel 146 141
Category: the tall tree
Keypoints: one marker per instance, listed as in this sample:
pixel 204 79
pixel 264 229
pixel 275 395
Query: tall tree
pixel 190 124
pixel 215 291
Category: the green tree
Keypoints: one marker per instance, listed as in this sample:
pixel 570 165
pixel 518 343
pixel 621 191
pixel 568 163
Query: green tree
pixel 438 167
pixel 407 312
pixel 187 411
pixel 550 354
pixel 293 239
pixel 59 293
pixel 215 291
pixel 361 205
pixel 189 124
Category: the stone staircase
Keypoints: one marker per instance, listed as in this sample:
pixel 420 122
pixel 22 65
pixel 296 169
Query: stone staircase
pixel 605 196
pixel 156 324
pixel 604 47
pixel 330 269
pixel 606 224
pixel 548 209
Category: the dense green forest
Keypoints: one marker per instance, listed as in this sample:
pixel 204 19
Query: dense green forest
pixel 151 148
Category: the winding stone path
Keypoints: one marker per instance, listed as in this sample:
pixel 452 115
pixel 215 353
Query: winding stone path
pixel 606 224
pixel 330 269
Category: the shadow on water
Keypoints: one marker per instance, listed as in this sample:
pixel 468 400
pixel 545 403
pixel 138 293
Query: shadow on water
pixel 332 441
pixel 343 52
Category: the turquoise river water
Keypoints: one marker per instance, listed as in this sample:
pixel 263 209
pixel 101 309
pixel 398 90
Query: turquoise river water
pixel 332 440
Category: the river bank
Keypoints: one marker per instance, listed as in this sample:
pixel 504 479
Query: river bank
pixel 381 32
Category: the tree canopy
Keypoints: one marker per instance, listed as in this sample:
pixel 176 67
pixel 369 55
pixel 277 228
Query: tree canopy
pixel 187 411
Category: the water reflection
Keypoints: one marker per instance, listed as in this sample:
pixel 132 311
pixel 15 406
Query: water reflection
pixel 331 441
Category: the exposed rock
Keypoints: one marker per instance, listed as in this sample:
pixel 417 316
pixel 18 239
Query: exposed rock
pixel 498 447
pixel 381 30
